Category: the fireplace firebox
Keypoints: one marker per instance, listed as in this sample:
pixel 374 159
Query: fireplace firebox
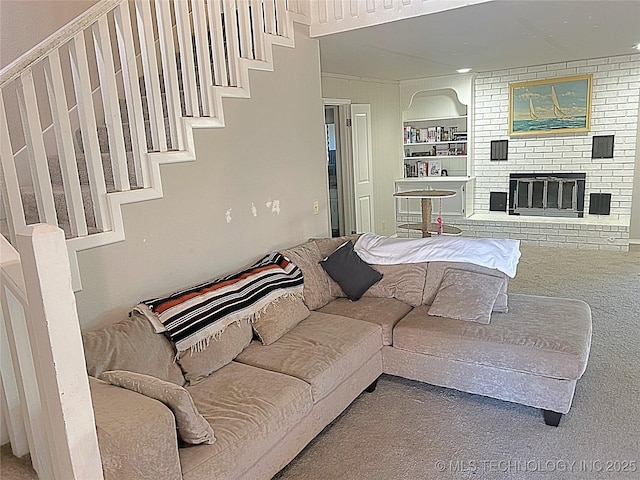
pixel 547 194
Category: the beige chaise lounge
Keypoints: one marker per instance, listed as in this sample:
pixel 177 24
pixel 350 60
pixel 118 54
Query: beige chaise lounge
pixel 263 403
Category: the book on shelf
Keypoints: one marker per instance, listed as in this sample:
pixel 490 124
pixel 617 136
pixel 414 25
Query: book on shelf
pixel 460 137
pixel 435 168
pixel 442 149
pixel 417 169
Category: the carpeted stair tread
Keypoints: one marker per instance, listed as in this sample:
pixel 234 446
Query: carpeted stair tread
pixel 103 136
pixel 56 174
pixel 31 210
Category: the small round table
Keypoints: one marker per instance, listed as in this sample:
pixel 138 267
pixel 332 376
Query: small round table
pixel 426 227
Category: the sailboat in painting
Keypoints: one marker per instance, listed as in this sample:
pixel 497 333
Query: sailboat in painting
pixel 557 111
pixel 532 111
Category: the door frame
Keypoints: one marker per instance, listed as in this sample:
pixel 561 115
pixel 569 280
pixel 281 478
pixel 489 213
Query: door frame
pixel 344 164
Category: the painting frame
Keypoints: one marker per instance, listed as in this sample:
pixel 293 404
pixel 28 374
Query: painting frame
pixel 550 106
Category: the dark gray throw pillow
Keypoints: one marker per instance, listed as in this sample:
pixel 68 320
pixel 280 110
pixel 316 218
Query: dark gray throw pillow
pixel 353 274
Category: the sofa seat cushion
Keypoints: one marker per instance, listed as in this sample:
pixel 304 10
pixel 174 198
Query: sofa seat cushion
pixel 385 312
pixel 322 350
pixel 250 410
pixel 540 335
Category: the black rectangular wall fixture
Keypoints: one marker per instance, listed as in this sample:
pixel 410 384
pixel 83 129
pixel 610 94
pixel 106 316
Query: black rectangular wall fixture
pixel 600 204
pixel 499 150
pixel 498 201
pixel 602 146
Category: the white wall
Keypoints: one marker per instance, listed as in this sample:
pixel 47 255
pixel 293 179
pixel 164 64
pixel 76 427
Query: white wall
pixel 272 150
pixel 386 130
pixel 615 100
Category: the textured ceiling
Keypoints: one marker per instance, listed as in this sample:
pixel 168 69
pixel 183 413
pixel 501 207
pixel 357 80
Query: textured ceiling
pixel 489 36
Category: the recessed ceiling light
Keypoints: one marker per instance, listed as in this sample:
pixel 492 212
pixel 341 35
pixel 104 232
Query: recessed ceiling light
pixel 463 70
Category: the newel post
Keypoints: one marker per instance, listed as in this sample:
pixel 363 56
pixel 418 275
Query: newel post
pixel 54 332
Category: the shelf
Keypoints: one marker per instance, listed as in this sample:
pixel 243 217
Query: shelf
pixel 443 142
pixel 435 119
pixel 435 179
pixel 434 156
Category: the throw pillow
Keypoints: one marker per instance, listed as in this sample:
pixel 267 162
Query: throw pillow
pixel 316 283
pixel 350 272
pixel 465 295
pixel 199 364
pixel 192 427
pixel 279 317
pixel 327 246
pixel 436 270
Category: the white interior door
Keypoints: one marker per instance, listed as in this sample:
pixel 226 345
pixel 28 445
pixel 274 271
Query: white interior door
pixel 362 166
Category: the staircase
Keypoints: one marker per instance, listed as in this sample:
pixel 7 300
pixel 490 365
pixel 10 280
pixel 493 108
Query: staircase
pixel 87 116
pixel 86 119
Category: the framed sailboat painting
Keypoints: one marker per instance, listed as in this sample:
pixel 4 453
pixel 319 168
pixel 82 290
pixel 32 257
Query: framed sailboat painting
pixel 556 105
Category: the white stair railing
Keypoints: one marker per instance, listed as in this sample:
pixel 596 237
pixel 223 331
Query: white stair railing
pixel 87 115
pixel 45 390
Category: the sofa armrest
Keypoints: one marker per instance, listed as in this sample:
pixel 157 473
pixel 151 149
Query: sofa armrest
pixel 136 434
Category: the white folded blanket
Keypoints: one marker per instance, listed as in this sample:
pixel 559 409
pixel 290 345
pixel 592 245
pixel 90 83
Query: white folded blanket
pixel 498 253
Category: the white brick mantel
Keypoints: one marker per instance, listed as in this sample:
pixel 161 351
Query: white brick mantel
pixel 614 111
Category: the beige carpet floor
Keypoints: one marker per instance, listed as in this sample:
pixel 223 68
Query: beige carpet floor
pixel 408 430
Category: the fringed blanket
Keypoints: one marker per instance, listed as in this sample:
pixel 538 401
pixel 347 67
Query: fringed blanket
pixel 501 254
pixel 193 316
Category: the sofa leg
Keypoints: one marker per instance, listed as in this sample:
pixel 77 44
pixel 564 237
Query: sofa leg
pixel 372 387
pixel 551 418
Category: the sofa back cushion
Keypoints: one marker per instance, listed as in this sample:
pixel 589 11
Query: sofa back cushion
pixel 131 345
pixel 436 271
pixel 329 245
pixel 220 350
pixel 279 317
pixel 403 282
pixel 316 282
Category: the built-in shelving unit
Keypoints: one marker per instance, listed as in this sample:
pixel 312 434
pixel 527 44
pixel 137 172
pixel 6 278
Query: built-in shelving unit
pixel 437 145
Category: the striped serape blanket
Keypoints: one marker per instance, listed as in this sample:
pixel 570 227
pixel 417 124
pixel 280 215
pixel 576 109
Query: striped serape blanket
pixel 191 317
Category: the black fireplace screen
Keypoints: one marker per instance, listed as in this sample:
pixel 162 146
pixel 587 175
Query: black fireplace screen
pixel 549 194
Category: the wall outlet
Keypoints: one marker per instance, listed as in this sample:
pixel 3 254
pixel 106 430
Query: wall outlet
pixel 384 225
pixel 316 208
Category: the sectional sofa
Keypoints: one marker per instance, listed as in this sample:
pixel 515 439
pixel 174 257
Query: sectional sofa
pixel 244 402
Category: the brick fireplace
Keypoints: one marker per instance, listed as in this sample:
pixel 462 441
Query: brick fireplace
pixel 544 158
